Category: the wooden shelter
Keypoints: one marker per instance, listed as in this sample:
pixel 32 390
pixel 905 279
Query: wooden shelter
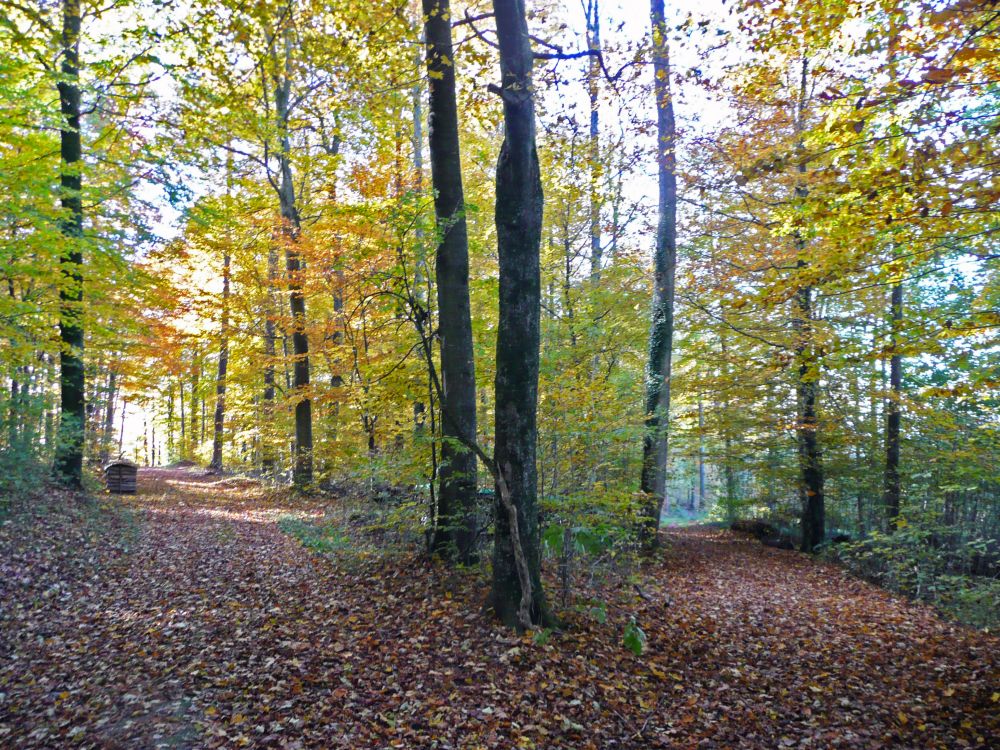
pixel 121 476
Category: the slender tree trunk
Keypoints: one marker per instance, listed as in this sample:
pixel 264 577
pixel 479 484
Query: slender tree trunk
pixel 107 434
pixel 811 495
pixel 455 533
pixel 220 380
pixel 69 452
pixel 184 445
pixel 303 468
pixel 517 593
pixel 701 456
pixel 654 450
pixel 593 12
pixel 170 421
pixel 420 263
pixel 195 378
pixel 891 496
pixel 14 414
pixel 268 461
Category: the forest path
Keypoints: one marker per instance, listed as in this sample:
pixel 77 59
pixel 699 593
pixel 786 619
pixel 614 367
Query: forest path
pixel 193 621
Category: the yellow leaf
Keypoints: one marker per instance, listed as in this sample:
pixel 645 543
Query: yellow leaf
pixel 995 697
pixel 902 717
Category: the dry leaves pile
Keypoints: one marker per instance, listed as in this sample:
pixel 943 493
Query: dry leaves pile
pixel 197 623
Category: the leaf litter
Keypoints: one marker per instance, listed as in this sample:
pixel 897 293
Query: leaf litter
pixel 185 618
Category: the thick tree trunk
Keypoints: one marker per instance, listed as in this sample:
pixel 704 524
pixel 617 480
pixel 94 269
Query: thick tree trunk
pixel 811 494
pixel 661 334
pixel 69 451
pixel 519 205
pixel 891 494
pixel 302 472
pixel 220 379
pixel 811 480
pixel 455 532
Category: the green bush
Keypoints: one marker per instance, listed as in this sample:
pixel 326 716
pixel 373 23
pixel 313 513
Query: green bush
pixel 924 560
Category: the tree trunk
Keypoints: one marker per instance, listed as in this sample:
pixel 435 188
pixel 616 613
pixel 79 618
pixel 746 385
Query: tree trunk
pixel 455 532
pixel 420 262
pixel 891 497
pixel 107 434
pixel 195 378
pixel 170 421
pixel 807 382
pixel 302 472
pixel 220 380
pixel 183 452
pixel 654 449
pixel 69 451
pixel 268 461
pixel 701 456
pixel 593 13
pixel 519 205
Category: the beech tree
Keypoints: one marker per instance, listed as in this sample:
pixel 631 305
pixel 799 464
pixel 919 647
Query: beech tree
pixel 654 448
pixel 455 532
pixel 69 453
pixel 517 594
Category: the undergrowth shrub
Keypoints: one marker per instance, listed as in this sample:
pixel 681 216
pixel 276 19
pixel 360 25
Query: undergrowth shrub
pixel 924 560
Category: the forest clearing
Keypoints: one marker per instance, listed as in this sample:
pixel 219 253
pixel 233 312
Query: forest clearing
pixel 500 373
pixel 197 623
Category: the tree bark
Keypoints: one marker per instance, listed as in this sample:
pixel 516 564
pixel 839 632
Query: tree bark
pixel 593 12
pixel 661 334
pixel 420 262
pixel 701 456
pixel 517 582
pixel 195 379
pixel 302 472
pixel 183 452
pixel 455 532
pixel 268 460
pixel 811 479
pixel 220 379
pixel 892 490
pixel 107 434
pixel 69 452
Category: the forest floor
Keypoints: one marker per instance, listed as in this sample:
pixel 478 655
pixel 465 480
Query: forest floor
pixel 184 617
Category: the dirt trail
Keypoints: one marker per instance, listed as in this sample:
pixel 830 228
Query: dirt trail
pixel 193 621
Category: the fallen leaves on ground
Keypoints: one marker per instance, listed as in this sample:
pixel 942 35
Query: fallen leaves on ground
pixel 189 619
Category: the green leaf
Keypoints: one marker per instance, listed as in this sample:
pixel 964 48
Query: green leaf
pixel 634 639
